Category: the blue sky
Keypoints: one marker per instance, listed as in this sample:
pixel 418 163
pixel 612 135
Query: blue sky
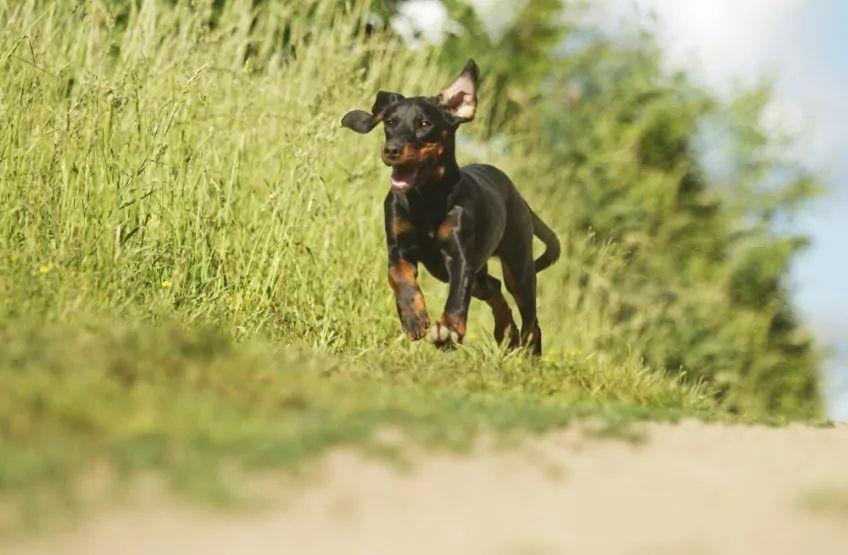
pixel 802 45
pixel 821 276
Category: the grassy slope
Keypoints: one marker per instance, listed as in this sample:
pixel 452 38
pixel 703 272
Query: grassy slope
pixel 192 402
pixel 155 177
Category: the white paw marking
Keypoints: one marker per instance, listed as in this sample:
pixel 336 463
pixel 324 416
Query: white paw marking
pixel 440 333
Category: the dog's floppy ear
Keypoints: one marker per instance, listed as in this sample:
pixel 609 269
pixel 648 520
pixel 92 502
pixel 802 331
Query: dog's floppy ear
pixel 459 99
pixel 359 120
pixel 363 122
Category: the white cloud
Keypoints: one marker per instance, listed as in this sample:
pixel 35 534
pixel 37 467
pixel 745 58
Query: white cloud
pixel 427 22
pixel 728 42
pixel 725 37
pixel 423 22
pixel 496 15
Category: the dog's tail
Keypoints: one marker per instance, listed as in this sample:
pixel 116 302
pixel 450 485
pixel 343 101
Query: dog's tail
pixel 549 238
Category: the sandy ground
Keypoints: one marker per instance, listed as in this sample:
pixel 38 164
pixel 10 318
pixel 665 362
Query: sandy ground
pixel 688 488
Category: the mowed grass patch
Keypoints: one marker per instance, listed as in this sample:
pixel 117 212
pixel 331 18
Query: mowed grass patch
pixel 191 402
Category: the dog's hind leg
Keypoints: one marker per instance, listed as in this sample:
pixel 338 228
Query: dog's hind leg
pixel 488 288
pixel 520 278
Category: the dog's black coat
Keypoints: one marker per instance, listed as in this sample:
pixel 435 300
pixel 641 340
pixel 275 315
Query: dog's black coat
pixel 452 219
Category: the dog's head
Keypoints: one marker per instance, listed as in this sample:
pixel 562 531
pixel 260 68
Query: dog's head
pixel 419 130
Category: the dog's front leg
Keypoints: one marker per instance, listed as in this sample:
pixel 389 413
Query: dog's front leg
pixel 451 327
pixel 403 276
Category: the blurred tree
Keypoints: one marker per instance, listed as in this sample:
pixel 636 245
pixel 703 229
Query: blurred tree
pixel 705 280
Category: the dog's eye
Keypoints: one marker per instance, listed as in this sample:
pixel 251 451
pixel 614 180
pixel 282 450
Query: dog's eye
pixel 423 124
pixel 390 123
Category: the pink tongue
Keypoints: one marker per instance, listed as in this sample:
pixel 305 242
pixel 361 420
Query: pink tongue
pixel 402 179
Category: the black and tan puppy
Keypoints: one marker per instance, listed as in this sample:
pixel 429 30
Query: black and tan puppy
pixel 452 219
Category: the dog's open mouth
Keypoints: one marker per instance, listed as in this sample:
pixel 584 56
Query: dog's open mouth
pixel 403 177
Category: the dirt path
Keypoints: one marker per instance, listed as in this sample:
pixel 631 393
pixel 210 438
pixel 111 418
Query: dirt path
pixel 690 488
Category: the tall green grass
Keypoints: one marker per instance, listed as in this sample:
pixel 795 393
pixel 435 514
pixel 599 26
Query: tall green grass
pixel 167 170
pixel 152 167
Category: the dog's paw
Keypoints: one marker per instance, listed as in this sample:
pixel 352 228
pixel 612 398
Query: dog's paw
pixel 508 336
pixel 443 336
pixel 415 326
pixel 532 338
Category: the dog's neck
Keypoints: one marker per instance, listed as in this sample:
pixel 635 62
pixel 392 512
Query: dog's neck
pixel 431 197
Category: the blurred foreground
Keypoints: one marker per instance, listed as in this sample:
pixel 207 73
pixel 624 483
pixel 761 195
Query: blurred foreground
pixel 689 488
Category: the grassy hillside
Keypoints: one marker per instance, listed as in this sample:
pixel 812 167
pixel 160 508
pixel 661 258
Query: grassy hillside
pixel 192 267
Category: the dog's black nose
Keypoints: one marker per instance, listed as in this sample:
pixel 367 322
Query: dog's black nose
pixel 392 151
